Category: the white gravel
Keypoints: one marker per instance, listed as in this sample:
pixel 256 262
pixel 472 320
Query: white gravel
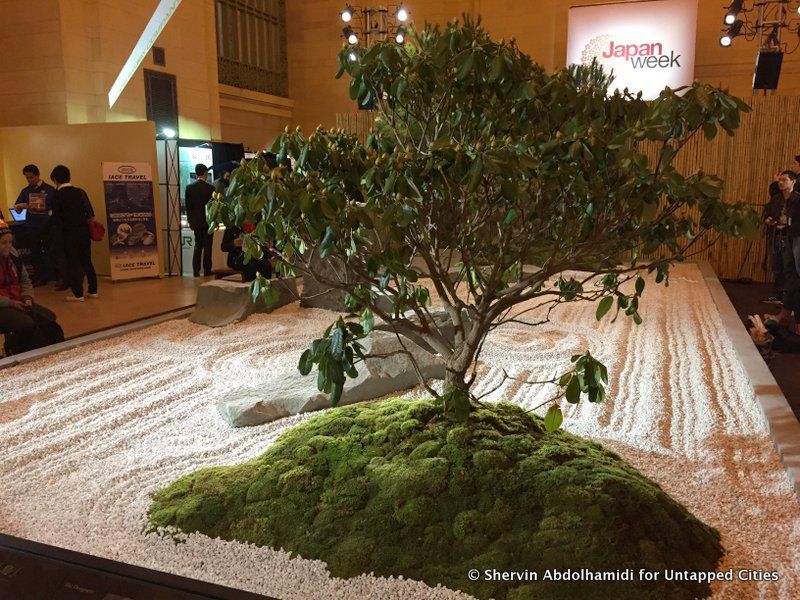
pixel 87 435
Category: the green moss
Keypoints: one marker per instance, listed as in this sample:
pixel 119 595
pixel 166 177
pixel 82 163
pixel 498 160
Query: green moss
pixel 392 488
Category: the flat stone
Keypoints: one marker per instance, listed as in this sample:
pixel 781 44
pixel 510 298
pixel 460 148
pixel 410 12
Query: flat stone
pixel 293 393
pixel 318 295
pixel 222 302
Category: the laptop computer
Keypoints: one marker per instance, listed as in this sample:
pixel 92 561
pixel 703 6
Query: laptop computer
pixel 19 215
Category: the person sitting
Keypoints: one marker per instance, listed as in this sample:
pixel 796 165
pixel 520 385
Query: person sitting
pixel 26 325
pixel 232 241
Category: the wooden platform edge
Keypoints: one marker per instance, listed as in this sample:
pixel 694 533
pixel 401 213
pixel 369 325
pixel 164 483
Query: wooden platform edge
pixel 783 426
pixel 103 334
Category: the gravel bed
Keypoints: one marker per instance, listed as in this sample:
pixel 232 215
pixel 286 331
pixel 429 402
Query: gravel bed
pixel 89 434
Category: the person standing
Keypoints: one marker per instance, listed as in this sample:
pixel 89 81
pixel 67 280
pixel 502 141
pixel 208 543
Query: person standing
pixel 37 198
pixel 21 319
pixel 71 212
pixel 198 195
pixel 773 187
pixel 778 219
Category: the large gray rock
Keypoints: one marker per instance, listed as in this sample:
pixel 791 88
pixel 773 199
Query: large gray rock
pixel 222 302
pixel 318 295
pixel 292 393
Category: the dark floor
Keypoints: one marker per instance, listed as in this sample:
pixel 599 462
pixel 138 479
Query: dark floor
pixel 31 571
pixel 746 299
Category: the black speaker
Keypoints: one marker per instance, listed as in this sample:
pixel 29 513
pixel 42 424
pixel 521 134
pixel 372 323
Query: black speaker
pixel 768 70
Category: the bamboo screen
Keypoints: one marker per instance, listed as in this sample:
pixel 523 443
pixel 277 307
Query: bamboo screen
pixel 766 142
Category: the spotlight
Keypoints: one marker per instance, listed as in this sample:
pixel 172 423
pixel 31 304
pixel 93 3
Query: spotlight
pixel 347 13
pixel 352 57
pixel 168 132
pixel 401 13
pixel 734 30
pixel 350 35
pixel 400 36
pixel 734 9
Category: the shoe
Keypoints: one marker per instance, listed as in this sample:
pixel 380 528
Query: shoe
pixel 91 295
pixel 74 298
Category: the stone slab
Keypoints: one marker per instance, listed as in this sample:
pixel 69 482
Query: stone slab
pixel 222 302
pixel 292 393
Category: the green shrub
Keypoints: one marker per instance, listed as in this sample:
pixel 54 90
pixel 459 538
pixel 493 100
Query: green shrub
pixel 393 488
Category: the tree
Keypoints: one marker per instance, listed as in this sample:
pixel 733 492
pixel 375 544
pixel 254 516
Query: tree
pixel 529 176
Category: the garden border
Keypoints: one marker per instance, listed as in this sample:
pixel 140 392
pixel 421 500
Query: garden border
pixel 782 425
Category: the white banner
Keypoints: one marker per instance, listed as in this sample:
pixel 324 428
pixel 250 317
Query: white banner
pixel 131 218
pixel 647 45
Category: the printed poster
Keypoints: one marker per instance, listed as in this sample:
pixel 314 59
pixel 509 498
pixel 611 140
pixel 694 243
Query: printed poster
pixel 130 211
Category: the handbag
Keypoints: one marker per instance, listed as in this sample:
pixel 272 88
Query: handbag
pixel 96 230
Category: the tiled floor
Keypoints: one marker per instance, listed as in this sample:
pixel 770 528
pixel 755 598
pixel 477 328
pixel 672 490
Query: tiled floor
pixel 119 303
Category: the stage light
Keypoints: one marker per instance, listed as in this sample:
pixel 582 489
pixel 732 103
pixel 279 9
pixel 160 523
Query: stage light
pixel 400 36
pixel 734 9
pixel 350 35
pixel 168 132
pixel 347 13
pixel 734 30
pixel 401 14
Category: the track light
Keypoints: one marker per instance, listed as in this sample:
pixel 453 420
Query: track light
pixel 734 9
pixel 734 30
pixel 347 13
pixel 401 13
pixel 400 35
pixel 350 35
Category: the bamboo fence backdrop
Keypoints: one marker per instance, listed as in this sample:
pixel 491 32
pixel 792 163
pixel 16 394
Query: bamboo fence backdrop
pixel 766 142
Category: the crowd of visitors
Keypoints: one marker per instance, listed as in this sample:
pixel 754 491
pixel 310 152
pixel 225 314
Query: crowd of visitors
pixel 782 223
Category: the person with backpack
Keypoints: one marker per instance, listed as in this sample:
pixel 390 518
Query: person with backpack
pixel 72 212
pixel 25 324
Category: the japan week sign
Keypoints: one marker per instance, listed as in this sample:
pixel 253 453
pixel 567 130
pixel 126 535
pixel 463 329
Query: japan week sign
pixel 647 45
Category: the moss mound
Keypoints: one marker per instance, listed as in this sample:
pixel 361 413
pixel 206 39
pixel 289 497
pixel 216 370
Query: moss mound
pixel 391 488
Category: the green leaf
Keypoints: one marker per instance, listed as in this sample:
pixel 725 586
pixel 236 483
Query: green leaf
pixel 475 175
pixel 305 363
pixel 573 392
pixel 639 285
pixel 553 418
pixel 604 307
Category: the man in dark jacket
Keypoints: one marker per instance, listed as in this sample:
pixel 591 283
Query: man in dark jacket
pixel 71 213
pixel 783 223
pixel 197 195
pixel 37 198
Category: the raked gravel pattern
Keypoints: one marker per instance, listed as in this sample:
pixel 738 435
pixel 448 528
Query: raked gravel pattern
pixel 87 435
